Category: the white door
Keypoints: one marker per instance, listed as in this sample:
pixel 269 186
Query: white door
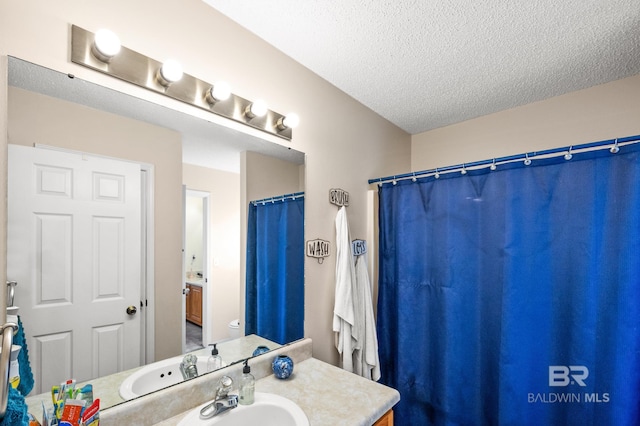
pixel 73 246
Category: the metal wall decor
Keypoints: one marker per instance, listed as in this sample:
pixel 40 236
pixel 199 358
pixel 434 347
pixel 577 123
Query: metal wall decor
pixel 318 249
pixel 339 197
pixel 358 247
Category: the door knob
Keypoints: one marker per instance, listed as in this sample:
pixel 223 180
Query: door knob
pixel 131 310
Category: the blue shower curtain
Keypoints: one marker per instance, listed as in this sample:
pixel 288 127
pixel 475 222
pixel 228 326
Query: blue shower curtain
pixel 512 297
pixel 275 270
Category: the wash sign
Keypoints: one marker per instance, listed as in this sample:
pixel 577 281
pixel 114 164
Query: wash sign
pixel 318 249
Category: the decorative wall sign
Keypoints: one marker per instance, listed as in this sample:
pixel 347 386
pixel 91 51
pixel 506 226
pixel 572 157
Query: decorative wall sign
pixel 358 247
pixel 318 249
pixel 339 197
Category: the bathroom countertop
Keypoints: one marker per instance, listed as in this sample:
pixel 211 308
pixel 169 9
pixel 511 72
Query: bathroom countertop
pixel 328 395
pixel 107 388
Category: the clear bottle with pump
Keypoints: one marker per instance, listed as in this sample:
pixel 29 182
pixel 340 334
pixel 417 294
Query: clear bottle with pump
pixel 214 361
pixel 247 385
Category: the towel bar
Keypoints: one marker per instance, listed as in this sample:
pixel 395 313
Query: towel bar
pixel 7 331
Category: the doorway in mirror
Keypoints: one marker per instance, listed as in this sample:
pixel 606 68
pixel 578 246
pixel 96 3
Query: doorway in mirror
pixel 196 244
pixel 194 337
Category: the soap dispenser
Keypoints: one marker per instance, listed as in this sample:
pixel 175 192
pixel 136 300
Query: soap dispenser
pixel 215 361
pixel 247 385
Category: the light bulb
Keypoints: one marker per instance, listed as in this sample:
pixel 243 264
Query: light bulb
pixel 106 44
pixel 170 72
pixel 291 120
pixel 221 91
pixel 256 109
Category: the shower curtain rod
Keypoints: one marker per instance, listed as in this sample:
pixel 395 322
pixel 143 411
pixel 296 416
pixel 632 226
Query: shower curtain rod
pixel 511 158
pixel 292 196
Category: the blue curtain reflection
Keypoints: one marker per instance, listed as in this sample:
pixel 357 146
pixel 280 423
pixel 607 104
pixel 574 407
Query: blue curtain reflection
pixel 275 270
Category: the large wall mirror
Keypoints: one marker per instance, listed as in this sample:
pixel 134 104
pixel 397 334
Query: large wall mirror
pixel 173 153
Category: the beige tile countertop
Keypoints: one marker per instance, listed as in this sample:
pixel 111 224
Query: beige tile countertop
pixel 328 395
pixel 107 388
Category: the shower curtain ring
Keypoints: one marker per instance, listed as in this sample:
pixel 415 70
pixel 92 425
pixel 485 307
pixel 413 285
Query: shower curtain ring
pixel 493 165
pixel 568 156
pixel 615 148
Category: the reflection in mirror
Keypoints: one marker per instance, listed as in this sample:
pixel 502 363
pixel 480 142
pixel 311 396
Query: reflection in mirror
pixel 50 108
pixel 275 266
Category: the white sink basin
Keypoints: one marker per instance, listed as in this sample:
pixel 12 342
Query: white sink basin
pixel 267 410
pixel 156 376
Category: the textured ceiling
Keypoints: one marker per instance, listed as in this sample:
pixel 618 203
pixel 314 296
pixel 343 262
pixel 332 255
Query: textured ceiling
pixel 431 63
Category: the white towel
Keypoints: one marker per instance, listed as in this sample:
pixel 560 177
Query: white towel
pixel 366 356
pixel 343 311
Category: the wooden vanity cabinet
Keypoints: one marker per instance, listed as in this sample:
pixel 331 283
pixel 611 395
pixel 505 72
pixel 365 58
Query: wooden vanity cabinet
pixel 386 420
pixel 194 304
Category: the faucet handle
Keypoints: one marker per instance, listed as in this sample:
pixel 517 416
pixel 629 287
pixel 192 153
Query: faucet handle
pixel 224 386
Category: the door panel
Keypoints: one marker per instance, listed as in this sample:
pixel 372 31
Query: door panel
pixel 73 245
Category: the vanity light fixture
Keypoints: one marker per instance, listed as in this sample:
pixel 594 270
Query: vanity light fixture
pixel 169 72
pixel 219 92
pixel 256 109
pixel 102 52
pixel 106 45
pixel 289 121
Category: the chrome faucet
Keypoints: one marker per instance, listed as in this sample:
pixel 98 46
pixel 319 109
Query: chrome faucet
pixel 189 367
pixel 223 401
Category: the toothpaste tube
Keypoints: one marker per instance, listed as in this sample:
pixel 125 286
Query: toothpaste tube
pixel 71 413
pixel 91 414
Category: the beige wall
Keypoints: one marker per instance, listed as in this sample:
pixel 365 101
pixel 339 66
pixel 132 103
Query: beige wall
pixel 345 142
pixel 34 118
pixel 602 112
pixel 224 243
pixel 266 176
